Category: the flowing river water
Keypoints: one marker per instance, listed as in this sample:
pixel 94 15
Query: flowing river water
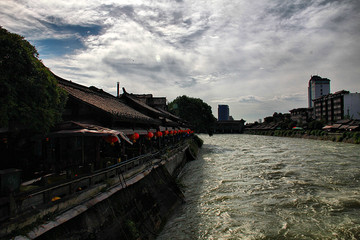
pixel 261 187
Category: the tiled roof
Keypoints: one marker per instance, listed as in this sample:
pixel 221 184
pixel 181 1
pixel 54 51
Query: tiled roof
pixel 345 124
pixel 165 116
pixel 103 101
pixel 170 115
pixel 141 105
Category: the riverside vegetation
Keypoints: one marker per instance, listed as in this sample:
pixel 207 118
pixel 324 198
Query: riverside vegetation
pixel 348 137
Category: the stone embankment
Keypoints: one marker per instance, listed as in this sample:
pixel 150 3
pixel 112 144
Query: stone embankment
pixel 132 205
pixel 347 137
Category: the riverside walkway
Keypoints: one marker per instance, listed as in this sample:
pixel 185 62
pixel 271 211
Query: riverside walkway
pixel 44 208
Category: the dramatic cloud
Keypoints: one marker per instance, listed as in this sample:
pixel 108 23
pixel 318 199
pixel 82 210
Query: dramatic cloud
pixel 255 56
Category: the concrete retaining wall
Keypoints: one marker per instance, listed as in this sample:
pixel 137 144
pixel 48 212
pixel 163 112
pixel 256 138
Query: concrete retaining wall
pixel 138 211
pixel 135 209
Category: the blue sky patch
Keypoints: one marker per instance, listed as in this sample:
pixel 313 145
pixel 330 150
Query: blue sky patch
pixel 57 47
pixel 48 48
pixel 75 29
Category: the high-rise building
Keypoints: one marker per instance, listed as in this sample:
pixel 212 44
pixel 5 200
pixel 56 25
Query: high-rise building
pixel 223 112
pixel 337 106
pixel 318 87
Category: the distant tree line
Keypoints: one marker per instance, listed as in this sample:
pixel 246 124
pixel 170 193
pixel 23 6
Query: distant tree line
pixel 285 122
pixel 195 111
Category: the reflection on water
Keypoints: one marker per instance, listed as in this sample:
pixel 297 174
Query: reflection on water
pixel 260 187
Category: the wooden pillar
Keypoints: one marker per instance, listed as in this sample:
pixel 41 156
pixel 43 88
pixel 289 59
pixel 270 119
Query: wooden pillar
pixel 82 150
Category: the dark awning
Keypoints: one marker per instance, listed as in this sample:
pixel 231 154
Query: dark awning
pixel 84 132
pixel 91 133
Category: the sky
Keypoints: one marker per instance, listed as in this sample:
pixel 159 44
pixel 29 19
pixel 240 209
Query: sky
pixel 255 56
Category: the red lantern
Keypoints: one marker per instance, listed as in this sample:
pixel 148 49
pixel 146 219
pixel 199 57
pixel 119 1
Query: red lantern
pixel 134 137
pixel 166 132
pixel 158 134
pixel 175 132
pixel 171 132
pixel 111 139
pixel 149 135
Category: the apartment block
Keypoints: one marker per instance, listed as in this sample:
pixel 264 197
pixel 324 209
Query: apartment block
pixel 337 106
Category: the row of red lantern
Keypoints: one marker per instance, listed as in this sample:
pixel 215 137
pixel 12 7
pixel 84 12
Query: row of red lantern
pixel 135 136
pixel 174 132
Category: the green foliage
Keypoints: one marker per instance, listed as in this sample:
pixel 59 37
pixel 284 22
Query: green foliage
pixel 357 136
pixel 316 125
pixel 198 141
pixel 339 138
pixel 131 228
pixel 350 137
pixel 29 96
pixel 316 133
pixel 195 111
pixel 268 119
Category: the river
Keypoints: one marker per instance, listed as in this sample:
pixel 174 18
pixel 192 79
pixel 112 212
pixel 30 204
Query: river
pixel 261 187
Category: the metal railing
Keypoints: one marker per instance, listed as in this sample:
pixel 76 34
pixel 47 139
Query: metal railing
pixel 21 202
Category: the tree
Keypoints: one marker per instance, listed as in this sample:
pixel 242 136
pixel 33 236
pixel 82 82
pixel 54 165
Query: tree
pixel 195 111
pixel 316 125
pixel 29 95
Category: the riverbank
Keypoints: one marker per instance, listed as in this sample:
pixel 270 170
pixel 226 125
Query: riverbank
pixel 126 206
pixel 346 137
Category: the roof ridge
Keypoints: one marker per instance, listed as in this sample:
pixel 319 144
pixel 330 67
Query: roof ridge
pixel 91 89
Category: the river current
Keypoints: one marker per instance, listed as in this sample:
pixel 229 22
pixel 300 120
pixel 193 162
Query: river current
pixel 262 187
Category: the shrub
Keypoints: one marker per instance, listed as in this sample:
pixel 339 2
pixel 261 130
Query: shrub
pixel 339 138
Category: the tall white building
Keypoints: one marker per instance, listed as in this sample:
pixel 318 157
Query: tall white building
pixel 337 106
pixel 318 87
pixel 352 105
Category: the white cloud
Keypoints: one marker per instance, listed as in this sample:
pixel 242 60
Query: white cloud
pixel 243 53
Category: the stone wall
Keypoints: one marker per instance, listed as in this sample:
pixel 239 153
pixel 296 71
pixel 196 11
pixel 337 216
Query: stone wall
pixel 137 211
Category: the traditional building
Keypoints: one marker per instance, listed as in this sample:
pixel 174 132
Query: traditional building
pixel 234 126
pixel 337 106
pixel 301 115
pixel 99 129
pixel 93 105
pixel 149 99
pixel 155 111
pixel 344 125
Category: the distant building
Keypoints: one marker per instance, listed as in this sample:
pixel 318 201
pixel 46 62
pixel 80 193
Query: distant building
pixel 337 106
pixel 233 126
pixel 155 102
pixel 318 87
pixel 301 115
pixel 223 112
